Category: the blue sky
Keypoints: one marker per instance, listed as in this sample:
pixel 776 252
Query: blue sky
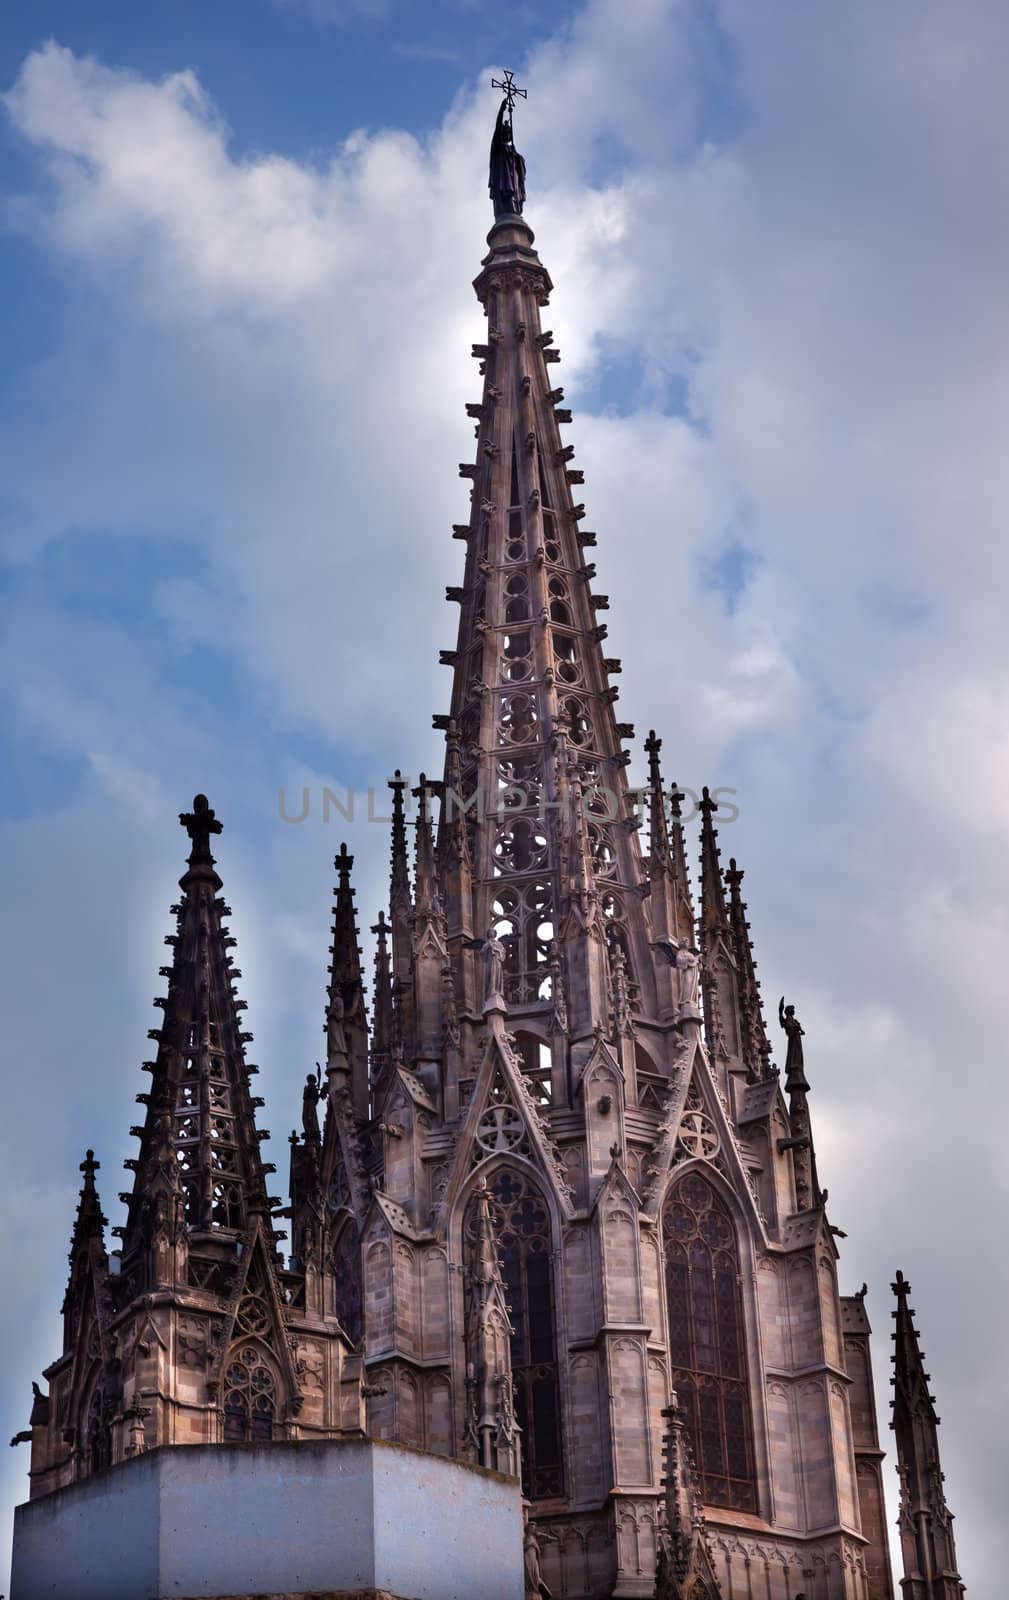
pixel 238 247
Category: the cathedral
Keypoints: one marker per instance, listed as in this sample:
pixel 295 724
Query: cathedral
pixel 553 1210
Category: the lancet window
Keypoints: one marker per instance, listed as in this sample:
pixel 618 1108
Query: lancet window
pixel 706 1343
pixel 346 1260
pixel 525 1250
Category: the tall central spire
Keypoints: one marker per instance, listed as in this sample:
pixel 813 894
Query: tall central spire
pixel 553 852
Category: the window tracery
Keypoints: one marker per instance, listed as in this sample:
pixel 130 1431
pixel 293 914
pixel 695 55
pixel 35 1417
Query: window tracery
pixel 525 1248
pixel 706 1345
pixel 250 1396
pixel 522 915
pixel 98 1432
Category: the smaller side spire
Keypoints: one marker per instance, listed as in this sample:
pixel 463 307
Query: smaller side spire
pixel 346 1021
pixel 89 1223
pixel 686 1569
pixel 427 895
pixel 199 1166
pixel 382 1016
pixel 925 1521
pixel 401 915
pixel 430 945
pixel 400 898
pixel 667 860
pixel 87 1248
pixel 756 1047
pixel 714 916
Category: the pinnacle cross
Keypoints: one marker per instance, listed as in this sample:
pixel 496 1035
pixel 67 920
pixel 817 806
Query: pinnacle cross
pixel 200 823
pixel 343 862
pixel 510 89
pixel 89 1166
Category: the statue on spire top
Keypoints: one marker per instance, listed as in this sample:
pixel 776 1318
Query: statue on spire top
pixel 507 168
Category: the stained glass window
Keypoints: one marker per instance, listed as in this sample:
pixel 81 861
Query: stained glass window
pixel 706 1339
pixel 524 1242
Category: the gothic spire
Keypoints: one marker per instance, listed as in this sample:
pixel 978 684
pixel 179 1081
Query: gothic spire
pixel 532 710
pixel 199 1167
pixel 686 1569
pixel 346 1021
pixel 925 1521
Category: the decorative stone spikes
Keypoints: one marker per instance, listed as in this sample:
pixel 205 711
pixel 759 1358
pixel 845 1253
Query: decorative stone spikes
pixel 199 1167
pixel 672 907
pixel 756 1048
pixel 400 871
pixel 346 1021
pixel 381 1029
pixel 89 1223
pixel 925 1521
pixel 429 946
pixel 685 1569
pixel 492 1434
pixel 714 916
pixel 427 895
pixel 400 898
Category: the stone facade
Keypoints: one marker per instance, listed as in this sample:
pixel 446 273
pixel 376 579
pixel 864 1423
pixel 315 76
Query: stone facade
pixel 558 1180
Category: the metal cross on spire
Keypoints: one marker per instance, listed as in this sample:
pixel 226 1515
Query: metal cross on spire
pixel 510 88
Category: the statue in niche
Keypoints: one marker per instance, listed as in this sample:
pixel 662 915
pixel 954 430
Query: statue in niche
pixel 336 1035
pixel 493 966
pixel 687 974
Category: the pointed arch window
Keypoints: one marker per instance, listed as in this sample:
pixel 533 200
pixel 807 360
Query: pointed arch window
pixel 250 1397
pixel 346 1260
pixel 706 1344
pixel 525 1250
pixel 99 1434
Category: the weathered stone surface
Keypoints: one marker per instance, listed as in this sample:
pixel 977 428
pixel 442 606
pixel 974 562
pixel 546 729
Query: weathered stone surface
pixel 342 1517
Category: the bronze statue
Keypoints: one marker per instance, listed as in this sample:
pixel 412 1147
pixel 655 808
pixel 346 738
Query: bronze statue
pixel 507 168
